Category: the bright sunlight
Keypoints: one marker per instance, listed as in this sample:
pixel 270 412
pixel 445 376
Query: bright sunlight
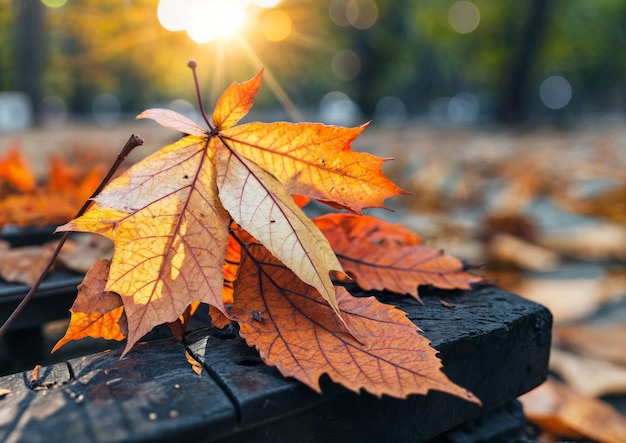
pixel 206 20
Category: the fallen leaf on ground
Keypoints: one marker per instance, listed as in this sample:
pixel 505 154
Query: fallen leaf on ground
pixel 558 410
pixel 26 263
pixel 196 366
pixel 86 249
pixel 610 205
pixel 588 376
pixel 55 201
pixel 14 170
pixel 600 241
pixel 597 341
pixel 4 392
pixel 504 249
pixel 567 299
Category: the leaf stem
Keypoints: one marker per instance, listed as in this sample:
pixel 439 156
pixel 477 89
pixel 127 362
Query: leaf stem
pixel 192 65
pixel 131 144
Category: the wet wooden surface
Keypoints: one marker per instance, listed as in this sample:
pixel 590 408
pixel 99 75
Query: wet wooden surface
pixel 493 343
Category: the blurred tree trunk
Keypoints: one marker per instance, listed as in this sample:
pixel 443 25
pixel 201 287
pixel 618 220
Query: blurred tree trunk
pixel 29 32
pixel 512 106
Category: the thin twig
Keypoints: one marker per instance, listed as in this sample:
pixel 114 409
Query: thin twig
pixel 192 65
pixel 131 144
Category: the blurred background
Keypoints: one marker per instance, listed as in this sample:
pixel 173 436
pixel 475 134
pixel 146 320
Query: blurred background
pixel 507 121
pixel 440 61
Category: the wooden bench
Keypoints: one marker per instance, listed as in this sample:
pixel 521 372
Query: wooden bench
pixel 494 343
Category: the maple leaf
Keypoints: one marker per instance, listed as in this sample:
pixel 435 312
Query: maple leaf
pixel 169 215
pixel 381 255
pixel 96 312
pixel 16 171
pixel 56 201
pixel 24 264
pixel 293 329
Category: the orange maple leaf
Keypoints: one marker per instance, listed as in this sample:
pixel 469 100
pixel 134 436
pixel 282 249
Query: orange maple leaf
pixel 16 171
pixel 169 215
pixel 56 201
pixel 294 329
pixel 381 255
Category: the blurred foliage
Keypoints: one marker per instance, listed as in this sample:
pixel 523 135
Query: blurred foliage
pixel 90 47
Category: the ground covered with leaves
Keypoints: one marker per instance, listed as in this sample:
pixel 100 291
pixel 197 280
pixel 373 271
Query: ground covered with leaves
pixel 544 210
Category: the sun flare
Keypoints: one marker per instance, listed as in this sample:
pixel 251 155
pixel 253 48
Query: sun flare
pixel 206 20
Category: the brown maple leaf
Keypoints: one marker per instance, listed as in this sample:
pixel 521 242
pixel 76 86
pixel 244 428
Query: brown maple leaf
pixel 295 330
pixel 385 256
pixel 169 215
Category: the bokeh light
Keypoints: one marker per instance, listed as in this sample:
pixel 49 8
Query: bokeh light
pixel 52 112
pixel 276 25
pixel 336 108
pixel 346 65
pixel 390 111
pixel 54 3
pixel 106 110
pixel 464 17
pixel 463 108
pixel 172 14
pixel 555 92
pixel 361 14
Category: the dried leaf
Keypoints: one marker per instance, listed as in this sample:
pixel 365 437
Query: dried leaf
pixel 4 392
pixel 360 228
pixel 504 249
pixel 596 341
pixel 196 366
pixel 96 312
pixel 588 376
pixel 16 171
pixel 399 264
pixel 300 336
pixel 558 410
pixel 86 249
pixel 26 263
pixel 169 222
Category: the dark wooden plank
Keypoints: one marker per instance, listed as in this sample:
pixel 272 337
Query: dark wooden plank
pixel 150 395
pixel 494 343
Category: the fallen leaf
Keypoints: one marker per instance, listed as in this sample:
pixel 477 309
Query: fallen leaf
pixel 568 299
pixel 96 312
pixel 196 366
pixel 597 341
pixel 599 241
pixel 589 376
pixel 610 205
pixel 558 410
pixel 391 265
pixel 55 201
pixel 85 250
pixel 25 264
pixel 303 339
pixel 4 392
pixel 16 171
pixel 504 249
pixel 364 228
